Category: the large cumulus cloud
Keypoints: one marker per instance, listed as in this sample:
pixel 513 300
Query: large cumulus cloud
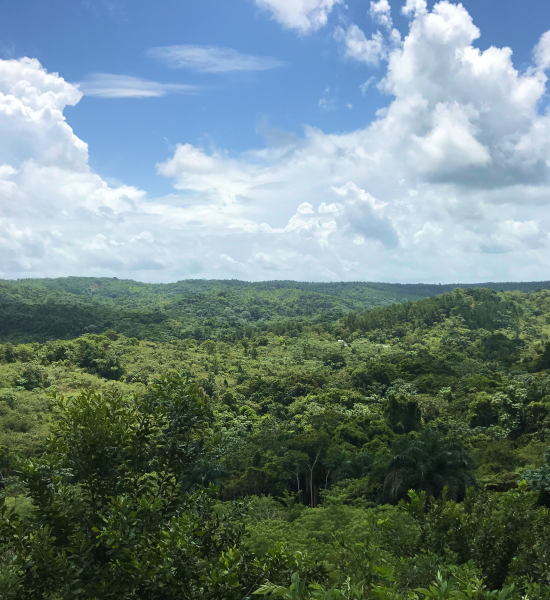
pixel 449 183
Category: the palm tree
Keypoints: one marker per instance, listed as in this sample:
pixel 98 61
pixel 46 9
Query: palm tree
pixel 203 473
pixel 355 466
pixel 428 462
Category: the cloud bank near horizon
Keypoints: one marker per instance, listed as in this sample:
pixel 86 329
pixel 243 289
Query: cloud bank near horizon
pixel 450 182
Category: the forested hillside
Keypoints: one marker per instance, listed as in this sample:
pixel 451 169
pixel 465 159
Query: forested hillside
pixel 46 309
pixel 225 440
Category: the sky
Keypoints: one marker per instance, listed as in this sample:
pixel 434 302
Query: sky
pixel 315 140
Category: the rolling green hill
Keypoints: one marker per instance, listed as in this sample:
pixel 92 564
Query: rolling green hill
pixel 351 436
pixel 42 309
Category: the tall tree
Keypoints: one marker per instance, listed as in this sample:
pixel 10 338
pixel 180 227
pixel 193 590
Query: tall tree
pixel 112 517
pixel 314 445
pixel 429 462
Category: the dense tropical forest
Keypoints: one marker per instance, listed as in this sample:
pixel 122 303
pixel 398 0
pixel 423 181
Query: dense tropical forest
pixel 228 440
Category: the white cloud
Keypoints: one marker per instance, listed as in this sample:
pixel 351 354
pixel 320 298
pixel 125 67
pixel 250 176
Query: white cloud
pixel 305 209
pixel 105 85
pixel 326 104
pixel 217 176
pixel 415 8
pixel 328 208
pixel 232 264
pixel 451 182
pixel 365 86
pixel 212 59
pixel 427 234
pixel 359 47
pixel 303 15
pixel 542 51
pixel 371 50
pixel 451 143
pixel 328 101
pixel 512 235
pixel 381 13
pixel 32 124
pixel 362 214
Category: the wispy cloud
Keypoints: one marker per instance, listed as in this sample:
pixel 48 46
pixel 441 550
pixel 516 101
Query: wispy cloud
pixel 105 85
pixel 98 8
pixel 328 101
pixel 365 86
pixel 212 59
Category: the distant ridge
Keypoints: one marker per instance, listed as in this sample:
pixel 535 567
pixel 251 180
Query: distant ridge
pixel 68 307
pixel 81 285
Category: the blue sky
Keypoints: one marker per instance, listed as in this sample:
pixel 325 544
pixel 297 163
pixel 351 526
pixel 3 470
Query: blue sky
pixel 267 139
pixel 127 137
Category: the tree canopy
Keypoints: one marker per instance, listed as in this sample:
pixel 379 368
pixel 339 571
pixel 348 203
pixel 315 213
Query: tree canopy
pixel 230 440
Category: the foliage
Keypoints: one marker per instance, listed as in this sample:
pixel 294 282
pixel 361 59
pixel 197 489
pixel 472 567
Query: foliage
pixel 110 515
pixel 539 479
pixel 430 463
pixel 305 408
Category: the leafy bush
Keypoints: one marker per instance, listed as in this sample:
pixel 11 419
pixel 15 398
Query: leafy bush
pixel 33 376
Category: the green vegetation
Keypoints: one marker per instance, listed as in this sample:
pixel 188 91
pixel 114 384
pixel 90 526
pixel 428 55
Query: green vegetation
pixel 49 309
pixel 227 440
